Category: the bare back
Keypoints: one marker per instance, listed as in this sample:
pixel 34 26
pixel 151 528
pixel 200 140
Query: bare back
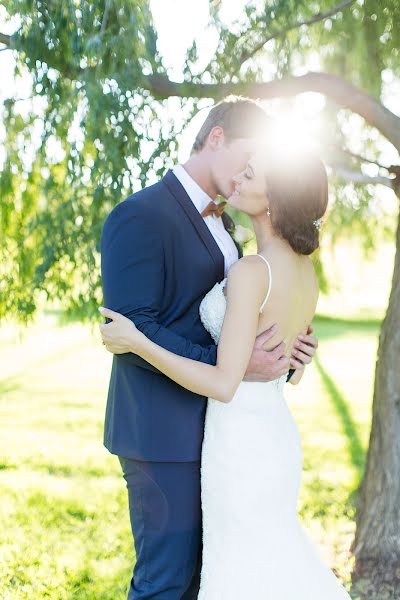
pixel 292 296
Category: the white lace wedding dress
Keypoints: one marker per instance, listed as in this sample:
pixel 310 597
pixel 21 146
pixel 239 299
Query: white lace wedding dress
pixel 254 547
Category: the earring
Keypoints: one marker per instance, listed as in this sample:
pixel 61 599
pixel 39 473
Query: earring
pixel 268 212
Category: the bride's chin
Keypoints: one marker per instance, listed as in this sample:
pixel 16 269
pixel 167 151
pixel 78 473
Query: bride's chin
pixel 234 201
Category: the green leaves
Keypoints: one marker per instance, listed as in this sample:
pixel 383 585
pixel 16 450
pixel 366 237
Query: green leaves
pixel 92 132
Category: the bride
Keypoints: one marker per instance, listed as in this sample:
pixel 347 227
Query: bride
pixel 254 546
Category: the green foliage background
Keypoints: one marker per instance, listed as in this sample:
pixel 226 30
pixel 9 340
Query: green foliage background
pixel 95 129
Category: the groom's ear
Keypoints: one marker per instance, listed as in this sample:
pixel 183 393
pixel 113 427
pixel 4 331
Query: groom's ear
pixel 216 138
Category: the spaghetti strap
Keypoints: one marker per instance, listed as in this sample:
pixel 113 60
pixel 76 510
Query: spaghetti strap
pixel 270 282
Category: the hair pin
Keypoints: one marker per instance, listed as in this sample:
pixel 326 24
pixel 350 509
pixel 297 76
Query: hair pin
pixel 317 224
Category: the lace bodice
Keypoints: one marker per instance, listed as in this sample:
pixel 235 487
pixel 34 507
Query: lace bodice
pixel 213 306
pixel 212 310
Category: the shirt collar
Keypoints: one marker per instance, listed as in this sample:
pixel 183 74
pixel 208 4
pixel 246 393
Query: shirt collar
pixel 197 195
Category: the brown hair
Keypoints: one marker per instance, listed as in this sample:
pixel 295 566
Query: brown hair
pixel 298 199
pixel 238 116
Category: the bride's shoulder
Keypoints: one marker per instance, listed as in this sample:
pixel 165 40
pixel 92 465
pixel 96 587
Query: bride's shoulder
pixel 247 265
pixel 248 275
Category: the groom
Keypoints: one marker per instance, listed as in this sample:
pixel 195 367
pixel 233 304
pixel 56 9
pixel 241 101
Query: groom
pixel 162 250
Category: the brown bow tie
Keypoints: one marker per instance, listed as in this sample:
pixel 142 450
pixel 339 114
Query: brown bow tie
pixel 213 208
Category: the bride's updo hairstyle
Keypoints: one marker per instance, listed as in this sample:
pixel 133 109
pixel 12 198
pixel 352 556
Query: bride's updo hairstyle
pixel 297 191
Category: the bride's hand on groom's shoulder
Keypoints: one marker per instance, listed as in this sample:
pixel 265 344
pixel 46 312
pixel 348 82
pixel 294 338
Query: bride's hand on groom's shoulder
pixel 120 334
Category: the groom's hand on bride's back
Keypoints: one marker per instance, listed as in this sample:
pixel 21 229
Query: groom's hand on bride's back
pixel 267 365
pixel 305 347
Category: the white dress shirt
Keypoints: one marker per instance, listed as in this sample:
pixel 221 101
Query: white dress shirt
pixel 214 223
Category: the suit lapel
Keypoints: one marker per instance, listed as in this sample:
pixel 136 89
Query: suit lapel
pixel 229 227
pixel 179 192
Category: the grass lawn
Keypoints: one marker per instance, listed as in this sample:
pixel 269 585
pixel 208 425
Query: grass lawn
pixel 65 527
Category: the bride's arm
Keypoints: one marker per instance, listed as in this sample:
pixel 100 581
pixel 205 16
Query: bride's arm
pixel 247 284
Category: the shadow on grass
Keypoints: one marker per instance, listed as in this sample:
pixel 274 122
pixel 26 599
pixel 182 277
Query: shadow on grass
pixel 354 445
pixel 5 466
pixel 331 327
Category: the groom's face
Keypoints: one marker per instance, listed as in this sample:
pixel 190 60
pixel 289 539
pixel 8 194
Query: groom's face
pixel 231 159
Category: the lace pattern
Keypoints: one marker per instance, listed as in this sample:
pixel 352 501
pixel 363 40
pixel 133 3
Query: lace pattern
pixel 212 314
pixel 212 310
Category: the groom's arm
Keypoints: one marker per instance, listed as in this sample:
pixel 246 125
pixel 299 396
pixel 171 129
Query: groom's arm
pixel 132 267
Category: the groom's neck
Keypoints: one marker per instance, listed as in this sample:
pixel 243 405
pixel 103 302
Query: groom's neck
pixel 199 170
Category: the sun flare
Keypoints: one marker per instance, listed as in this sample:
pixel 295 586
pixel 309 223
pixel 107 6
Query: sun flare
pixel 290 135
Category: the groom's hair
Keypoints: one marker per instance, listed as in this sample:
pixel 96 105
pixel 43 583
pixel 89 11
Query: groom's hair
pixel 239 117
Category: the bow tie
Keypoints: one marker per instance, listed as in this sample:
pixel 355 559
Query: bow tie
pixel 213 208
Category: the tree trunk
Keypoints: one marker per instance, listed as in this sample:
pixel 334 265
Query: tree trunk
pixel 377 540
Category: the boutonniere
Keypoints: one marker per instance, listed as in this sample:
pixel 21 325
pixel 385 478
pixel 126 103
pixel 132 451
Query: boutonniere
pixel 241 234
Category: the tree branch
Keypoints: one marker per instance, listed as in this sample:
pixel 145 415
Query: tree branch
pixel 340 91
pixel 338 150
pixel 344 94
pixel 357 177
pixel 105 16
pixel 365 160
pixel 314 19
pixel 6 39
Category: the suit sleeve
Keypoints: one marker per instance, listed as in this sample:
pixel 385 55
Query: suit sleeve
pixel 290 374
pixel 132 268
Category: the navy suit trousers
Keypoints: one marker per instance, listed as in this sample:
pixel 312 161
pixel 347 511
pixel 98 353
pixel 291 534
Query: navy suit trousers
pixel 165 513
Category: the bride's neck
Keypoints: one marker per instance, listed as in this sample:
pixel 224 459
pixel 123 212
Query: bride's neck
pixel 263 231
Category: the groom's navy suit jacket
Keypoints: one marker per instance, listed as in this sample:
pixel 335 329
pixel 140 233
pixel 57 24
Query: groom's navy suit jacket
pixel 158 261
